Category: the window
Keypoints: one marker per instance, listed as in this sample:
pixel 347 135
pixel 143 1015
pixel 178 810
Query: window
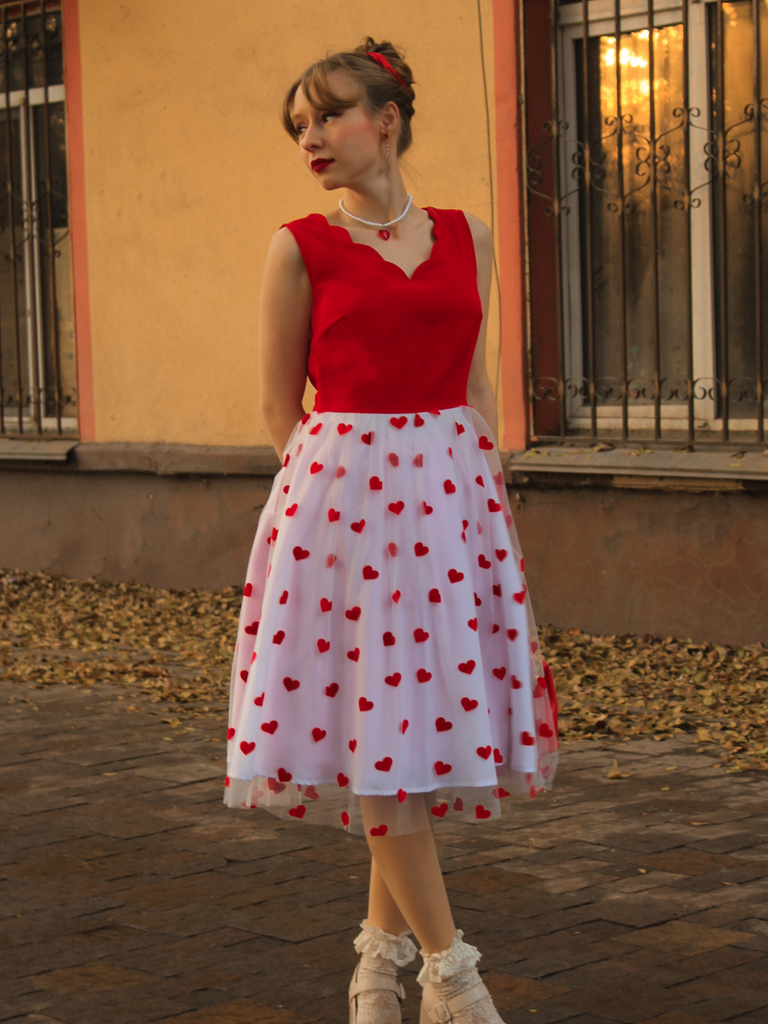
pixel 654 185
pixel 37 336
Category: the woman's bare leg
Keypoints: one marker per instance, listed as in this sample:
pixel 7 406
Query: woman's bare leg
pixel 409 869
pixel 383 912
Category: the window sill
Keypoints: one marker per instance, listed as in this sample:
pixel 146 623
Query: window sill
pixel 721 469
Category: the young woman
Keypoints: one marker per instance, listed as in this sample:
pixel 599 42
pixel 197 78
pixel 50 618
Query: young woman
pixel 387 674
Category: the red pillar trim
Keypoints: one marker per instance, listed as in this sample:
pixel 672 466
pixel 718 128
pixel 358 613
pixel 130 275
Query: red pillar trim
pixel 76 162
pixel 511 238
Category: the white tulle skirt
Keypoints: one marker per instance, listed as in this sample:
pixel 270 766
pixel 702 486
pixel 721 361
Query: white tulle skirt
pixel 386 645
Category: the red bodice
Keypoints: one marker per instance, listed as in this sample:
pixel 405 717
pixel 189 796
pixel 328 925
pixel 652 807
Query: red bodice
pixel 381 341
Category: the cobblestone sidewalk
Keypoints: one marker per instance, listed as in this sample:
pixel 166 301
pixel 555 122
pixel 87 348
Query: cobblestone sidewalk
pixel 129 893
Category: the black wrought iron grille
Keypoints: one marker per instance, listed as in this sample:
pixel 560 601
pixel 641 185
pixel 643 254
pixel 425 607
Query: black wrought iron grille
pixel 38 393
pixel 645 179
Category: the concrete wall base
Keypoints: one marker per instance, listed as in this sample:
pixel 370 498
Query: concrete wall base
pixel 605 561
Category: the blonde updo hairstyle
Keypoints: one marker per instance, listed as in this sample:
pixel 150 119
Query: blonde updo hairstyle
pixel 377 86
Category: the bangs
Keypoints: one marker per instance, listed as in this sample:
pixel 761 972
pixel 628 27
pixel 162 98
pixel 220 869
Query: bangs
pixel 320 95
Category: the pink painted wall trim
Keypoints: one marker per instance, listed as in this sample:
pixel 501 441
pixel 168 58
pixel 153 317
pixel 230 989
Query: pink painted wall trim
pixel 76 160
pixel 509 218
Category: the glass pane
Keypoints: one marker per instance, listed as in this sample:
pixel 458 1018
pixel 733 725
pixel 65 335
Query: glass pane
pixel 631 296
pixel 741 211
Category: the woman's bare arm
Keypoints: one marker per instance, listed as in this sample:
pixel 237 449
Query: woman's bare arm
pixel 285 308
pixel 479 388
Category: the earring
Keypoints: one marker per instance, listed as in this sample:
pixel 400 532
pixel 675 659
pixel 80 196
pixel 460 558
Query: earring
pixel 388 164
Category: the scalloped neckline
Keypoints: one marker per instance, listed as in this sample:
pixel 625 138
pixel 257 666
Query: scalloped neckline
pixel 430 213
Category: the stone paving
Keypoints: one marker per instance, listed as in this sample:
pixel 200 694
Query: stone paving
pixel 129 893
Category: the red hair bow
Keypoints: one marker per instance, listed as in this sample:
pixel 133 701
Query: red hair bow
pixel 382 60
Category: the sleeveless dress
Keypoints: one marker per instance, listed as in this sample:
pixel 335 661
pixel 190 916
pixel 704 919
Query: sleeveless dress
pixel 386 644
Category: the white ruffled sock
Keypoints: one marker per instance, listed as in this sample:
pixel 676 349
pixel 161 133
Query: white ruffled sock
pixel 381 954
pixel 452 972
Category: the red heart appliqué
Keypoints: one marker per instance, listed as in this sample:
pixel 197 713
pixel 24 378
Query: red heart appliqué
pixel 394 461
pixel 392 548
pixel 364 704
pixel 300 552
pixel 278 637
pixel 439 812
pixel 449 486
pixel 244 674
pixel 472 623
pixel 375 483
pixel 253 629
pixel 420 635
pixel 458 804
pixel 396 596
pixel 418 421
pixel 520 596
pixel 420 549
pixel 318 734
pixel 484 752
pixel 247 747
pixel 283 775
pixel 344 818
pixel 342 779
pixel 383 765
pixel 493 506
pixel 501 553
pixel 354 655
pixel 459 428
pixel 403 726
pixel 500 673
pixel 297 812
pixel 325 604
pixel 389 639
pixel 269 726
pixel 369 573
pixel 434 596
pixel 230 733
pixel 455 576
pixel 396 507
pixel 317 428
pixel 353 745
pixel 441 768
pixel 323 645
pixel 284 597
pixel 516 683
pixel 428 510
pixel 291 684
pixel 483 562
pixel 332 690
pixel 344 428
pixel 367 438
pixel 423 676
pixel 482 812
pixel 468 703
pixel 401 795
pixel 315 467
pixel 259 700
pixel 379 830
pixel 467 666
pixel 247 590
pixel 398 421
pixel 358 526
pixel 291 510
pixel 442 725
pixel 393 680
pixel 526 739
pixel 484 443
pixel 333 515
pixel 418 460
pixel 353 613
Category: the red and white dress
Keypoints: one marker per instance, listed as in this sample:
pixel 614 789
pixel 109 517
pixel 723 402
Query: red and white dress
pixel 386 643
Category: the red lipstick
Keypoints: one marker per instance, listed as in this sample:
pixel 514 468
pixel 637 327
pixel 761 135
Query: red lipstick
pixel 319 164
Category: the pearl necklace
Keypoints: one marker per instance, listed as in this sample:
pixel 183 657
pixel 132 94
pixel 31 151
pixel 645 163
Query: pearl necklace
pixel 374 224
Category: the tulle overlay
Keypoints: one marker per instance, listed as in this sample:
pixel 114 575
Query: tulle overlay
pixel 386 644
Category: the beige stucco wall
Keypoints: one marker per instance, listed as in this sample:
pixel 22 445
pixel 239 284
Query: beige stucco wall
pixel 188 173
